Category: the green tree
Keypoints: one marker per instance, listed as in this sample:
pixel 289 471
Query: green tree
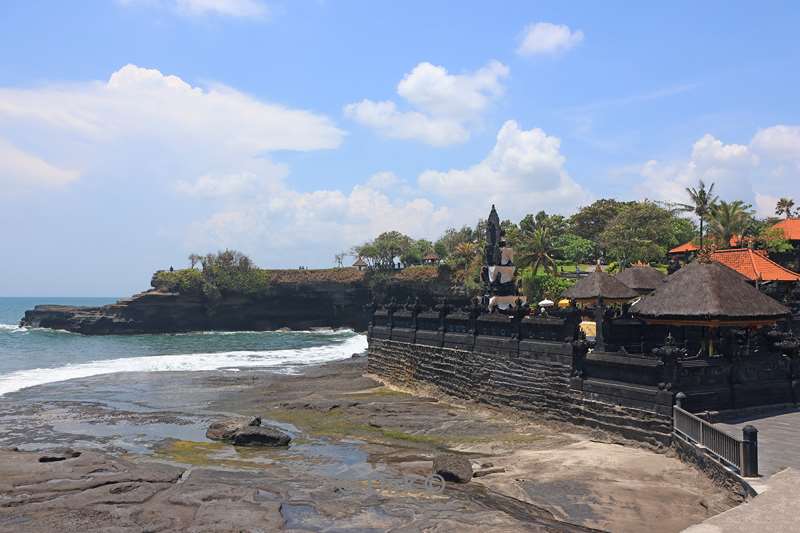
pixel 381 252
pixel 784 207
pixel 773 240
pixel 590 221
pixel 728 221
pixel 538 286
pixel 536 250
pixel 642 231
pixel 702 202
pixel 464 256
pixel 416 251
pixel 452 237
pixel 573 248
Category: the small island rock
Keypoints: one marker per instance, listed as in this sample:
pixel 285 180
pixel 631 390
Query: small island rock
pixel 247 432
pixel 452 467
pixel 225 429
pixel 260 436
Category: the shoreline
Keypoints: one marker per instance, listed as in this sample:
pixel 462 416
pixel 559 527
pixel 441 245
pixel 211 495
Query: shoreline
pixel 355 439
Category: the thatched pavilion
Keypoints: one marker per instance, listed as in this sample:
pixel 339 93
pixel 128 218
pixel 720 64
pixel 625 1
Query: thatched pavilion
pixel 600 288
pixel 703 297
pixel 644 279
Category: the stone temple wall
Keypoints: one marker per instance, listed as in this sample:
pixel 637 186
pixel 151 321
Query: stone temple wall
pixel 530 375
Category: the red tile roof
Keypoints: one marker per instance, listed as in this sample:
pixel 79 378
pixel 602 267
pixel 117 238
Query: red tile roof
pixel 790 227
pixel 736 240
pixel 685 247
pixel 754 265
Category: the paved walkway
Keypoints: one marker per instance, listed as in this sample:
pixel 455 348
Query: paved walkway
pixel 778 438
pixel 773 511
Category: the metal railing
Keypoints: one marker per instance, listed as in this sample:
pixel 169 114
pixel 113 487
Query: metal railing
pixel 741 455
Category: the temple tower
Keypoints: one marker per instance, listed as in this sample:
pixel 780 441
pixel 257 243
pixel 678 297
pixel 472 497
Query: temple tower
pixel 498 271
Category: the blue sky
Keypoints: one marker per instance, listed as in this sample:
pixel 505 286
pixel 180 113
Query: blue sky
pixel 133 132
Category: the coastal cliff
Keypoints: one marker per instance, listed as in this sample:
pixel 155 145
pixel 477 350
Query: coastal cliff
pixel 294 299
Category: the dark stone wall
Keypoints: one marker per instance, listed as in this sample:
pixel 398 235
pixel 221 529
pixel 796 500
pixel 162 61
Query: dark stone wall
pixel 535 377
pixel 739 489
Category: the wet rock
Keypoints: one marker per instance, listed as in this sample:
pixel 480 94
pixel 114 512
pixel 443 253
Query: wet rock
pixel 487 471
pixel 260 436
pixel 452 467
pixel 226 429
pixel 60 454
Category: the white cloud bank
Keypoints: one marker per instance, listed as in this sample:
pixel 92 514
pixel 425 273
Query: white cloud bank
pixel 156 123
pixel 545 38
pixel 759 172
pixel 445 106
pixel 19 168
pixel 194 164
pixel 230 8
pixel 524 172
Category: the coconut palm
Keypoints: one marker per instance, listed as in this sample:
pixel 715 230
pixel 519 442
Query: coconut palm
pixel 728 220
pixel 702 202
pixel 536 251
pixel 784 206
pixel 464 253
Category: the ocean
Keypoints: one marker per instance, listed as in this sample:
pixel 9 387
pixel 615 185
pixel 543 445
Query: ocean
pixel 36 356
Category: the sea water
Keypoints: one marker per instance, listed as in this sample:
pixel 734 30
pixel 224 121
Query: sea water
pixel 37 356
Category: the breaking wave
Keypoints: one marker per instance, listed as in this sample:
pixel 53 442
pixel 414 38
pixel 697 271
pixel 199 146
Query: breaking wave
pixel 287 358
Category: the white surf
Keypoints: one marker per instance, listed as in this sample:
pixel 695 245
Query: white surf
pixel 22 379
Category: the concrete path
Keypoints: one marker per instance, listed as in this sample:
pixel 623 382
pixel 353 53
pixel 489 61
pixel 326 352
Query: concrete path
pixel 776 510
pixel 778 438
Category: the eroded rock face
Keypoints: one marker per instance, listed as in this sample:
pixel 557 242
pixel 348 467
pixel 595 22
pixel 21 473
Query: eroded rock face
pixel 247 432
pixel 452 467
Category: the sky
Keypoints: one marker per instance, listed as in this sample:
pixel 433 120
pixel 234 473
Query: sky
pixel 136 132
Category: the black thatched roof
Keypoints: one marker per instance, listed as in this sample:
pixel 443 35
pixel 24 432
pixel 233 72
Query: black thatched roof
pixel 600 284
pixel 708 291
pixel 641 278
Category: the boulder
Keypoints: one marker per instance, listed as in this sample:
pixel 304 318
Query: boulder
pixel 225 429
pixel 260 436
pixel 452 467
pixel 246 432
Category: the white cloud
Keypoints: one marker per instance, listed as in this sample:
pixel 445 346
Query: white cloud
pixel 230 8
pixel 759 172
pixel 317 223
pixel 21 170
pixel 779 142
pixel 545 38
pixel 384 118
pixel 144 122
pixel 445 105
pixel 383 180
pixel 524 172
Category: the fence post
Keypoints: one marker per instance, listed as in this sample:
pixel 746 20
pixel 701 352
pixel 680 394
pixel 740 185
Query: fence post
pixel 679 399
pixel 749 451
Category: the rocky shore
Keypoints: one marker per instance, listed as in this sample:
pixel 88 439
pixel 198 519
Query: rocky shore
pixel 299 300
pixel 361 458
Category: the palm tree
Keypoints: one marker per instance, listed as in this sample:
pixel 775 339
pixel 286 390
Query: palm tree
pixel 728 220
pixel 702 202
pixel 536 250
pixel 194 259
pixel 784 206
pixel 464 253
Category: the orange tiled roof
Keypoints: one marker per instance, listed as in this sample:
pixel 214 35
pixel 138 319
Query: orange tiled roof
pixel 790 227
pixel 685 247
pixel 754 265
pixel 736 240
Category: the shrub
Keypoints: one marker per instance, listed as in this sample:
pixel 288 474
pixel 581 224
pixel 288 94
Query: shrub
pixel 538 286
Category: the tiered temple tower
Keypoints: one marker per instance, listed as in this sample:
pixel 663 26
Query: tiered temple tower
pixel 498 270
